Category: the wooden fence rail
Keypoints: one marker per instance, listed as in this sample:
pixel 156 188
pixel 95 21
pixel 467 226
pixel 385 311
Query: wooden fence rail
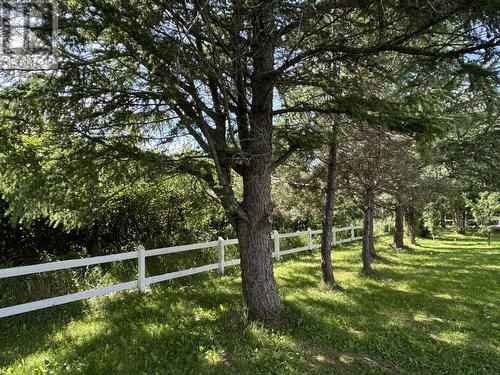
pixel 141 255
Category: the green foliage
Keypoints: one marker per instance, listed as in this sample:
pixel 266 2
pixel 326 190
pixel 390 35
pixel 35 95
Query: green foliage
pixel 172 211
pixel 21 244
pixel 298 195
pixel 485 208
pixel 428 311
pixel 167 212
pixel 432 218
pixel 470 154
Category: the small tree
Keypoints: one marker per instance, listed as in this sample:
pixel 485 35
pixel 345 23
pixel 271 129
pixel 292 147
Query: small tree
pixel 484 210
pixel 362 166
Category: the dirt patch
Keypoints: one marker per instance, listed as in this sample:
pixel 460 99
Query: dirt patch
pixel 348 362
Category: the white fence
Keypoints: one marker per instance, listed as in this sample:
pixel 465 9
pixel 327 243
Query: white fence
pixel 141 254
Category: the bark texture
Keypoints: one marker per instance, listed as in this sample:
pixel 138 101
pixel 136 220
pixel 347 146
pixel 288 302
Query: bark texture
pixel 459 220
pixel 443 220
pixel 326 238
pixel 412 221
pixel 398 226
pixel 367 219
pixel 371 238
pixel 260 292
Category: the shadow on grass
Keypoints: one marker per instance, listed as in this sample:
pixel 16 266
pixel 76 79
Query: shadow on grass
pixel 428 312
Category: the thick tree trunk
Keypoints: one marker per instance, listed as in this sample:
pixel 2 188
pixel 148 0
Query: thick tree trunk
pixel 399 227
pixel 367 219
pixel 260 293
pixel 326 239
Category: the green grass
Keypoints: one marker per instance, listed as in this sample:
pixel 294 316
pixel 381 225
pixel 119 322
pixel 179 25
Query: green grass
pixel 431 310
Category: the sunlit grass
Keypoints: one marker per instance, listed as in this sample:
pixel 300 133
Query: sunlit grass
pixel 430 310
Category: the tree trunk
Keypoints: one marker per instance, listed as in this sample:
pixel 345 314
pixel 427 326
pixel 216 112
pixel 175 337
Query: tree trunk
pixel 443 220
pixel 398 227
pixel 458 219
pixel 367 218
pixel 371 237
pixel 373 252
pixel 260 292
pixel 412 222
pixel 326 238
pixel 413 237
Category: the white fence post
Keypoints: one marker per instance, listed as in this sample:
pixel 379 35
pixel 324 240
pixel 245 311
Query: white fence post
pixel 334 239
pixel 277 244
pixel 142 268
pixel 221 255
pixel 352 232
pixel 309 239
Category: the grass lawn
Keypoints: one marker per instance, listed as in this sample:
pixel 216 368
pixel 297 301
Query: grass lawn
pixel 430 310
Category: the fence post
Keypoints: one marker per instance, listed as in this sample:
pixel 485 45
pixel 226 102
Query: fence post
pixel 141 252
pixel 276 244
pixel 221 255
pixel 352 232
pixel 334 239
pixel 309 239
